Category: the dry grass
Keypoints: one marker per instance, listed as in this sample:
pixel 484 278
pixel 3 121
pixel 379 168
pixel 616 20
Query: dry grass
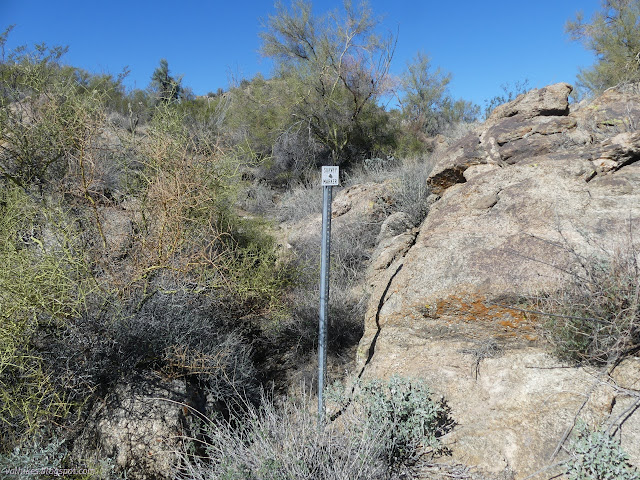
pixel 385 429
pixel 283 442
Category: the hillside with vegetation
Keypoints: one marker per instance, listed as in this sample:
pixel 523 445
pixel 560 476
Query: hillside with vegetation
pixel 159 255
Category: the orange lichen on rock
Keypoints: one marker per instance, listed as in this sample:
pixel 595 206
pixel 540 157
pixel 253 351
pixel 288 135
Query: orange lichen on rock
pixel 474 307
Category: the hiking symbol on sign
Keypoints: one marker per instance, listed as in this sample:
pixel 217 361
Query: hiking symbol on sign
pixel 330 176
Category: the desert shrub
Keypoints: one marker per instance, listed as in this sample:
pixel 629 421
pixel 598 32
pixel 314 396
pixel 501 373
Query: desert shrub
pixel 412 191
pixel 182 335
pixel 410 143
pixel 111 89
pixel 376 169
pixel 44 117
pixel 350 251
pixel 596 455
pixel 455 131
pixel 294 154
pixel 49 460
pixel 166 87
pixel 139 108
pixel 595 316
pixel 32 454
pixel 77 318
pixel 205 117
pixel 188 230
pixel 284 442
pixel 44 280
pixel 189 254
pixel 346 314
pixel 375 439
pixel 258 112
pixel 259 199
pixel 371 170
pixel 411 421
pixel 346 324
pixel 408 177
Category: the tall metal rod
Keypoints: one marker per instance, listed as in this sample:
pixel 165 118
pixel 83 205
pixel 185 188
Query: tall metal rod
pixel 324 300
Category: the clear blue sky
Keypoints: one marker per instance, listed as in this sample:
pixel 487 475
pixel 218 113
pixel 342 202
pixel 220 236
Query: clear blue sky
pixel 484 44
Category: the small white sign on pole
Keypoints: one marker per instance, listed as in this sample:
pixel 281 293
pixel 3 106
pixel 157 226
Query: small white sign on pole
pixel 330 176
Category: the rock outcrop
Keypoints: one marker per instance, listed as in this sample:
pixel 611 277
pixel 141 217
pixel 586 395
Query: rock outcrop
pixel 520 197
pixel 142 424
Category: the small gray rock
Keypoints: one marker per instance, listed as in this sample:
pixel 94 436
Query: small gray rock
pixel 395 224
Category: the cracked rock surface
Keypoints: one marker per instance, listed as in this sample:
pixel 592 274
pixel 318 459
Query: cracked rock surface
pixel 536 182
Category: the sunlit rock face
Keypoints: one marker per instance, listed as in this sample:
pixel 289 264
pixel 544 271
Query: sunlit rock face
pixel 521 198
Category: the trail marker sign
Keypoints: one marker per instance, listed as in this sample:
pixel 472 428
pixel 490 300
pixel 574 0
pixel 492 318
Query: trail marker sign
pixel 330 176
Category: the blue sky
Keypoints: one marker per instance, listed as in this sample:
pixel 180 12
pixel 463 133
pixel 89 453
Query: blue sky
pixel 484 44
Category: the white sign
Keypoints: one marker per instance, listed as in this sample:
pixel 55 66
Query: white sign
pixel 330 176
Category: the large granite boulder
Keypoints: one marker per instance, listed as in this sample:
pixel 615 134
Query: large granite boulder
pixel 521 197
pixel 518 131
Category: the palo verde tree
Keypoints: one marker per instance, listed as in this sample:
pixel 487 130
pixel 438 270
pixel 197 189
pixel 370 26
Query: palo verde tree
pixel 46 115
pixel 426 103
pixel 613 34
pixel 338 65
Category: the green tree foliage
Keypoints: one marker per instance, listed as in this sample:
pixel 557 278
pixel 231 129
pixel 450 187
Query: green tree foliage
pixel 259 111
pixel 168 88
pixel 426 103
pixel 613 35
pixel 338 66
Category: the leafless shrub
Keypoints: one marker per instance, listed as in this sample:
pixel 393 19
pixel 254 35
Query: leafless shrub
pixel 595 316
pixel 375 170
pixel 631 88
pixel 293 155
pixel 350 251
pixel 259 199
pixel 409 179
pixel 412 190
pixel 482 349
pixel 118 120
pixel 181 335
pixel 455 131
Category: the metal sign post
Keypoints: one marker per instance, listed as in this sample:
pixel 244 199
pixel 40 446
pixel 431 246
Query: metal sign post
pixel 330 176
